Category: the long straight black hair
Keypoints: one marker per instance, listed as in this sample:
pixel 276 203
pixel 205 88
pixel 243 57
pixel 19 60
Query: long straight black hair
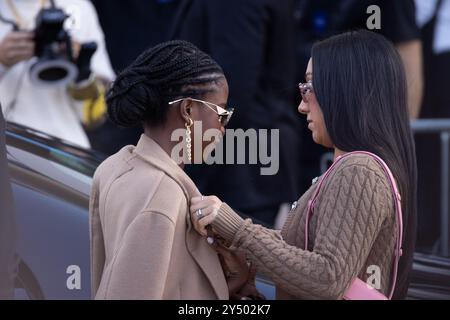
pixel 360 84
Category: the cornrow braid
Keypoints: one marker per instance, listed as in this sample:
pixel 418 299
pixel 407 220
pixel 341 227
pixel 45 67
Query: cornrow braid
pixel 170 70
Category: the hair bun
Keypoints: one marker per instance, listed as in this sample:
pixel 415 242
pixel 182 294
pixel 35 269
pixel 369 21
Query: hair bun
pixel 131 99
pixel 165 72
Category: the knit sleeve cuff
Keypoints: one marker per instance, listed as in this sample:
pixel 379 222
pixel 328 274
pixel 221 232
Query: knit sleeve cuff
pixel 227 222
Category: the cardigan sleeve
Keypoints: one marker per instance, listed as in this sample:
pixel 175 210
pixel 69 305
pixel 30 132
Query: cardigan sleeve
pixel 352 207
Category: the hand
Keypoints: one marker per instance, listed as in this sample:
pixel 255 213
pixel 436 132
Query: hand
pixel 249 291
pixel 209 206
pixel 16 46
pixel 234 266
pixel 76 47
pixel 241 278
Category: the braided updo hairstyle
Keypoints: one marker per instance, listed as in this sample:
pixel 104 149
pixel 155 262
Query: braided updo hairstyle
pixel 168 71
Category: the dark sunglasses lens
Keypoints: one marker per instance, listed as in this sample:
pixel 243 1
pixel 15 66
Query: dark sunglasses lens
pixel 223 119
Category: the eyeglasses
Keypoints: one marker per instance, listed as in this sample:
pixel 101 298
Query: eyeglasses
pixel 224 114
pixel 305 88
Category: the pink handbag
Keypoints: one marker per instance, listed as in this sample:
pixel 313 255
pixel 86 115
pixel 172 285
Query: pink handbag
pixel 359 290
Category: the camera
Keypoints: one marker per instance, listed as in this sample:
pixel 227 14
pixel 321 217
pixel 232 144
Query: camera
pixel 53 48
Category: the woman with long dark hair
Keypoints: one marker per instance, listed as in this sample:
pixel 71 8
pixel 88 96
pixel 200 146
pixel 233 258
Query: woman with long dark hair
pixel 355 100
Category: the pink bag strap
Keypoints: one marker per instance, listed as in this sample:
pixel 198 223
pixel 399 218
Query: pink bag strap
pixel 398 209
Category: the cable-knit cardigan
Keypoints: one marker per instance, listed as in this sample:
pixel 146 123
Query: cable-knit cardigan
pixel 351 233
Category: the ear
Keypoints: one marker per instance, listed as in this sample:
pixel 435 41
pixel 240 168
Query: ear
pixel 186 110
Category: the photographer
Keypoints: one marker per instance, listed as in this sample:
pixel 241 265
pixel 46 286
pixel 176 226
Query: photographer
pixel 62 110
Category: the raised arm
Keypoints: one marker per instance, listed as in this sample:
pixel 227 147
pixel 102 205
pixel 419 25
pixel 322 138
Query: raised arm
pixel 354 205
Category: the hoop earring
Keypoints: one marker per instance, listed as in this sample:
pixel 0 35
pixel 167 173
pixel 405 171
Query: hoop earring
pixel 188 139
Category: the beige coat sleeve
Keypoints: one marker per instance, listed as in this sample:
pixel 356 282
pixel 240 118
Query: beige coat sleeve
pixel 351 213
pixel 96 239
pixel 140 266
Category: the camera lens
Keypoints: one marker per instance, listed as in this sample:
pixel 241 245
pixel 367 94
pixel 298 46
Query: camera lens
pixel 53 74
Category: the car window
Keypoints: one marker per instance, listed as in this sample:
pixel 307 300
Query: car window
pixel 80 180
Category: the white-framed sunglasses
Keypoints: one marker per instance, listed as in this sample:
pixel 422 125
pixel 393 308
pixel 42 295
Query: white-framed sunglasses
pixel 223 114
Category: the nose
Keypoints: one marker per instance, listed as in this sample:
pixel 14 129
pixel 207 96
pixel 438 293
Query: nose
pixel 303 108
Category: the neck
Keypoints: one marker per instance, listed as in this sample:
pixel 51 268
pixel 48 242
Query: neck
pixel 162 138
pixel 338 153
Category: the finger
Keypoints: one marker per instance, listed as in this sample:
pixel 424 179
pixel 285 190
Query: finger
pixel 76 47
pixel 201 198
pixel 21 35
pixel 207 220
pixel 195 218
pixel 23 45
pixel 211 238
pixel 220 249
pixel 201 205
pixel 209 231
pixel 217 236
pixel 225 254
pixel 215 199
pixel 196 199
pixel 19 45
pixel 205 212
pixel 20 53
pixel 21 56
pixel 224 251
pixel 200 229
pixel 198 205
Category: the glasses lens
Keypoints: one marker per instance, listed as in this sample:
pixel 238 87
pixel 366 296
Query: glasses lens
pixel 223 118
pixel 304 89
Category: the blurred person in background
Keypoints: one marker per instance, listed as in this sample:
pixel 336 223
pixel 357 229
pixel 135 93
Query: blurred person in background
pixel 130 27
pixel 253 41
pixel 62 111
pixel 8 265
pixel 318 19
pixel 433 18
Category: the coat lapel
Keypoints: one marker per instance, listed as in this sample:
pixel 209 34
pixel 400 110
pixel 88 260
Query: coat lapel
pixel 197 246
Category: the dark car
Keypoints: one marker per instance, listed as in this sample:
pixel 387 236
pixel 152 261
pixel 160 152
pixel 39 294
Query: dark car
pixel 51 182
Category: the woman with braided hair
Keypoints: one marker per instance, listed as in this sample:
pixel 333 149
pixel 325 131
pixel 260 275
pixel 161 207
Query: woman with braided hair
pixel 143 245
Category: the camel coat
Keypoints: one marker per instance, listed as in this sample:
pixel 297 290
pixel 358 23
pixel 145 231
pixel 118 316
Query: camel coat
pixel 143 245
